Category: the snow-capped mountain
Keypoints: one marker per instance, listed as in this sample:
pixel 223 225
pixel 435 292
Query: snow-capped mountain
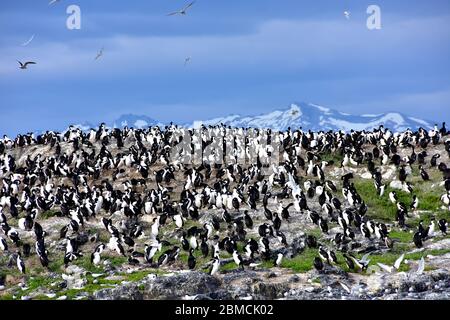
pixel 315 117
pixel 307 116
pixel 135 121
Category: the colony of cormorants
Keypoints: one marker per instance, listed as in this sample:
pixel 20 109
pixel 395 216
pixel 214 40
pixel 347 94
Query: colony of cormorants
pixel 135 184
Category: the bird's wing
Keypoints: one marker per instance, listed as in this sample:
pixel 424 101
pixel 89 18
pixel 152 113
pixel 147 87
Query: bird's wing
pixel 365 257
pixel 385 267
pixel 399 261
pixel 99 54
pixel 28 41
pixel 421 267
pixel 189 5
pixel 52 2
pixel 173 13
pixel 29 62
pixel 21 64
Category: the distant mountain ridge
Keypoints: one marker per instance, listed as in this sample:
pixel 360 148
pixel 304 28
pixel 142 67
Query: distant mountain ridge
pixel 307 116
pixel 314 117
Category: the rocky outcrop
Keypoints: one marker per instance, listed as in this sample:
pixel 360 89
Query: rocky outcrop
pixel 124 292
pixel 183 284
pixel 254 285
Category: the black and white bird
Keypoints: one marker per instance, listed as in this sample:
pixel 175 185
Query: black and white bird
pixel 96 255
pixel 238 259
pixel 425 176
pixel 318 264
pixel 418 239
pixel 215 266
pixel 415 203
pixel 278 260
pixel 191 259
pixel 393 197
pixel 3 244
pixel 443 225
pixel 20 263
pixel 151 250
pixel 24 66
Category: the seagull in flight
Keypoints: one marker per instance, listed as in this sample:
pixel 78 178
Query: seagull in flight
pixel 347 15
pixel 24 65
pixel 182 11
pixel 53 2
pixel 28 41
pixel 421 267
pixel 187 60
pixel 396 265
pixel 363 263
pixel 99 54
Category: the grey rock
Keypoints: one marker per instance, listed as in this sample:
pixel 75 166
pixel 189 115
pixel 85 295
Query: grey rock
pixel 269 291
pixel 124 292
pixel 192 283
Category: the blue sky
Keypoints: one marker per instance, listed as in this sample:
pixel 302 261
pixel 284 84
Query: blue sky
pixel 248 57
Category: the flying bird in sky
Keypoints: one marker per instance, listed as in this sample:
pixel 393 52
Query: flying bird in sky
pixel 53 2
pixel 187 60
pixel 28 41
pixel 182 11
pixel 99 54
pixel 347 15
pixel 24 65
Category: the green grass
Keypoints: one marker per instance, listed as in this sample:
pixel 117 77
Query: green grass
pixel 301 263
pixel 85 263
pixel 34 283
pixel 229 266
pixel 90 288
pixel 117 260
pixel 382 208
pixel 48 214
pixel 389 258
pixel 335 156
pixel 434 252
pixel 401 236
pixel 139 275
